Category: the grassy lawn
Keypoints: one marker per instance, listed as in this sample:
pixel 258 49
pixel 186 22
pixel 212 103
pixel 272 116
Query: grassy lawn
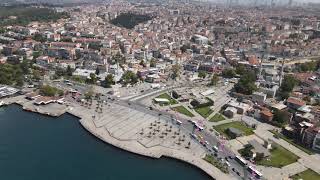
pixel 217 117
pixel 306 175
pixel 238 125
pixel 166 96
pixel 279 158
pixel 210 159
pixel 291 141
pixel 183 110
pixel 204 111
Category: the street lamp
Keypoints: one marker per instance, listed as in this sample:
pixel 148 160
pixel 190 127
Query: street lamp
pixel 159 116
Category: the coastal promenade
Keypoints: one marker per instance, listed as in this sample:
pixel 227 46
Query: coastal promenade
pixel 130 130
pixel 133 145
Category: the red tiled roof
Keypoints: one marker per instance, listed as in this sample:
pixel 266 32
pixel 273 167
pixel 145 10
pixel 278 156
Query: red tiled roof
pixel 266 113
pixel 295 101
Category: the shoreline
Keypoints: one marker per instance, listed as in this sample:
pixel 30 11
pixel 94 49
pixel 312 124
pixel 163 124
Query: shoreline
pixel 132 146
pixel 153 152
pixel 150 154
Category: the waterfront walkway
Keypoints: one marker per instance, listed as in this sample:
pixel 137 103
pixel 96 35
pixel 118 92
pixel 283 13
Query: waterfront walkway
pixel 122 126
pixel 132 130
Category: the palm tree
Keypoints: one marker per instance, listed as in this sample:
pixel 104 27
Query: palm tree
pixel 189 144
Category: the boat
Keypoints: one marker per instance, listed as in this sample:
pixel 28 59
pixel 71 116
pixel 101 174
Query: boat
pixel 2 103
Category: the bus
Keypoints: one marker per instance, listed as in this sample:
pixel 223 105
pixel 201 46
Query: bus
pixel 241 161
pixel 254 172
pixel 199 127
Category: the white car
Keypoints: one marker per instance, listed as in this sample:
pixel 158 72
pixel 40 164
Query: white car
pixel 215 148
pixel 228 164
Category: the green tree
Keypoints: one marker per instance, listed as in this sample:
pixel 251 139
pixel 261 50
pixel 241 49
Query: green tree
pixel 228 73
pixel 280 118
pixel 118 58
pixel 129 20
pixel 47 90
pixel 92 79
pixel 246 84
pixel 202 74
pixel 36 75
pixel 88 95
pixel 259 157
pixel 25 65
pixel 11 74
pixel 69 71
pixel 240 69
pixel 184 47
pixel 97 71
pixel 246 152
pixel 129 78
pixel 19 82
pixel 175 71
pixel 142 63
pixel 153 63
pixel 2 30
pixel 95 46
pixel 214 80
pixel 308 66
pixel 109 80
pixel 39 38
pixel 61 72
pixel 288 83
pixel 36 54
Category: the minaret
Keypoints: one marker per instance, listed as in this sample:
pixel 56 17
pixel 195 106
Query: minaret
pixel 281 73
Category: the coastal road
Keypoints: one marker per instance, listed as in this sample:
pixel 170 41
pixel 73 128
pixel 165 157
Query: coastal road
pixel 188 127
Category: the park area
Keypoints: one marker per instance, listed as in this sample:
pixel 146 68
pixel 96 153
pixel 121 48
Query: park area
pixel 217 117
pixel 210 159
pixel 306 175
pixel 279 157
pixel 183 110
pixel 169 98
pixel 204 111
pixel 291 141
pixel 222 129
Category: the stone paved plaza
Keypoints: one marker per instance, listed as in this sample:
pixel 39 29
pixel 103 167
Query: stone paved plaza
pixel 127 124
